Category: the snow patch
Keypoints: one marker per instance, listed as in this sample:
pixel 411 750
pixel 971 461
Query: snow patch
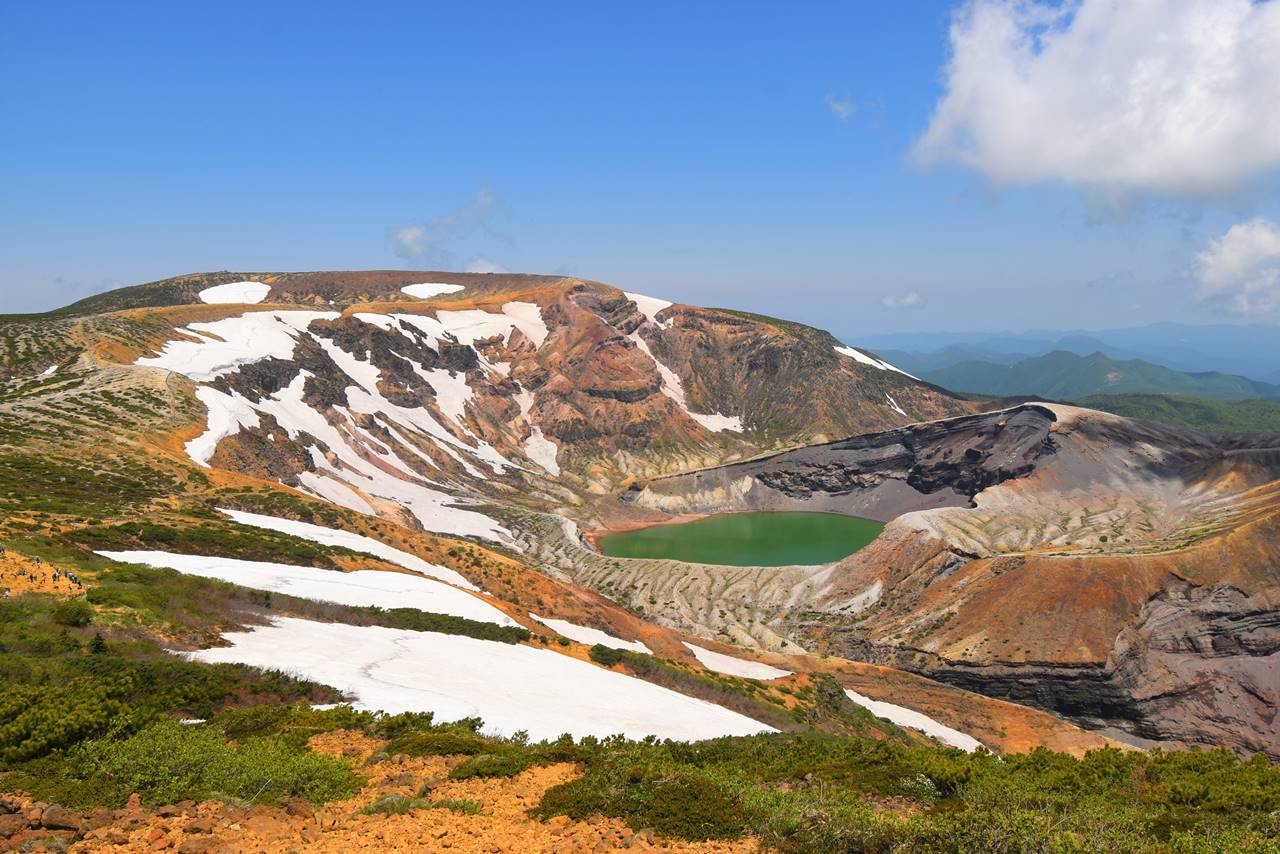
pixel 223 346
pixel 427 290
pixel 542 450
pixel 472 325
pixel 527 317
pixel 334 492
pixel 649 307
pixel 249 293
pixel 537 447
pixel 894 403
pixel 733 666
pixel 871 361
pixel 588 635
pixel 348 540
pixel 363 461
pixel 912 719
pixel 361 588
pixel 452 391
pixel 717 423
pixel 511 687
pixel 674 389
pixel 227 414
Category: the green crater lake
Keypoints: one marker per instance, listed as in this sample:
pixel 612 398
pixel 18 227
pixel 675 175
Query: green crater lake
pixel 749 539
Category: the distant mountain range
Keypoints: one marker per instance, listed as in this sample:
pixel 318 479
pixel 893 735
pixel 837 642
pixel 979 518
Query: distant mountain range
pixel 1249 350
pixel 1063 375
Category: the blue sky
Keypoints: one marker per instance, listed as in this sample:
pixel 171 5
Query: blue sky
pixel 692 151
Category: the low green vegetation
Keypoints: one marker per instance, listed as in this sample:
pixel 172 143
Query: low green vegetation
pixel 812 793
pixel 64 683
pixel 90 487
pixel 505 764
pixel 393 804
pixel 217 536
pixel 466 806
pixel 809 792
pixel 168 761
pixel 86 721
pixel 799 793
pixel 424 621
pixel 820 705
pixel 1243 416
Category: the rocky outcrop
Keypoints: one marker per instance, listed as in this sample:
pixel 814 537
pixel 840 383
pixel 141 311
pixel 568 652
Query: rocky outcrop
pixel 1199 666
pixel 879 476
pixel 1122 574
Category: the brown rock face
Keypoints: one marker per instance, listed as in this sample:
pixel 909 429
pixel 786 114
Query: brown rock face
pixel 438 390
pixel 1125 575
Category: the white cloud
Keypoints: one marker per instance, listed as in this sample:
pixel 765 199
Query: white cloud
pixel 843 108
pixel 1241 269
pixel 484 265
pixel 1121 97
pixel 418 239
pixel 410 240
pixel 911 299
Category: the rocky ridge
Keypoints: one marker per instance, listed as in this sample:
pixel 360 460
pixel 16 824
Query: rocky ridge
pixel 1122 574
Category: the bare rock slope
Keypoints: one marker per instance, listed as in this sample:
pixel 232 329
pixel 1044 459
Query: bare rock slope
pixel 1124 574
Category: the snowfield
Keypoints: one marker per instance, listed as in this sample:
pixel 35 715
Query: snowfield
pixel 537 447
pixel 731 666
pixel 588 635
pixel 427 290
pixel 865 359
pixel 649 307
pixel 346 539
pixel 334 492
pixel 355 464
pixel 912 719
pixel 225 345
pixel 236 292
pixel 474 324
pixel 222 346
pixel 510 686
pixel 361 588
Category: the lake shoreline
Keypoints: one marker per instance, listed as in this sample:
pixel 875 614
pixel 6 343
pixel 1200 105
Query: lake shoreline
pixel 766 538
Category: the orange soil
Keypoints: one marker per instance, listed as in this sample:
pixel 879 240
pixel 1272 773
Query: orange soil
pixel 20 574
pixel 621 526
pixel 212 827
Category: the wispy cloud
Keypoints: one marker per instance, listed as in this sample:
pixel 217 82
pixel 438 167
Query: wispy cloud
pixel 484 265
pixel 1160 97
pixel 1240 270
pixel 911 299
pixel 432 238
pixel 843 108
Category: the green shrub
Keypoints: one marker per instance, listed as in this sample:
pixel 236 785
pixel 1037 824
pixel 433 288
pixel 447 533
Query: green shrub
pixel 293 725
pixel 423 621
pixel 506 764
pixel 392 804
pixel 73 612
pixel 683 804
pixel 168 762
pixel 606 656
pixel 462 805
pixel 446 743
